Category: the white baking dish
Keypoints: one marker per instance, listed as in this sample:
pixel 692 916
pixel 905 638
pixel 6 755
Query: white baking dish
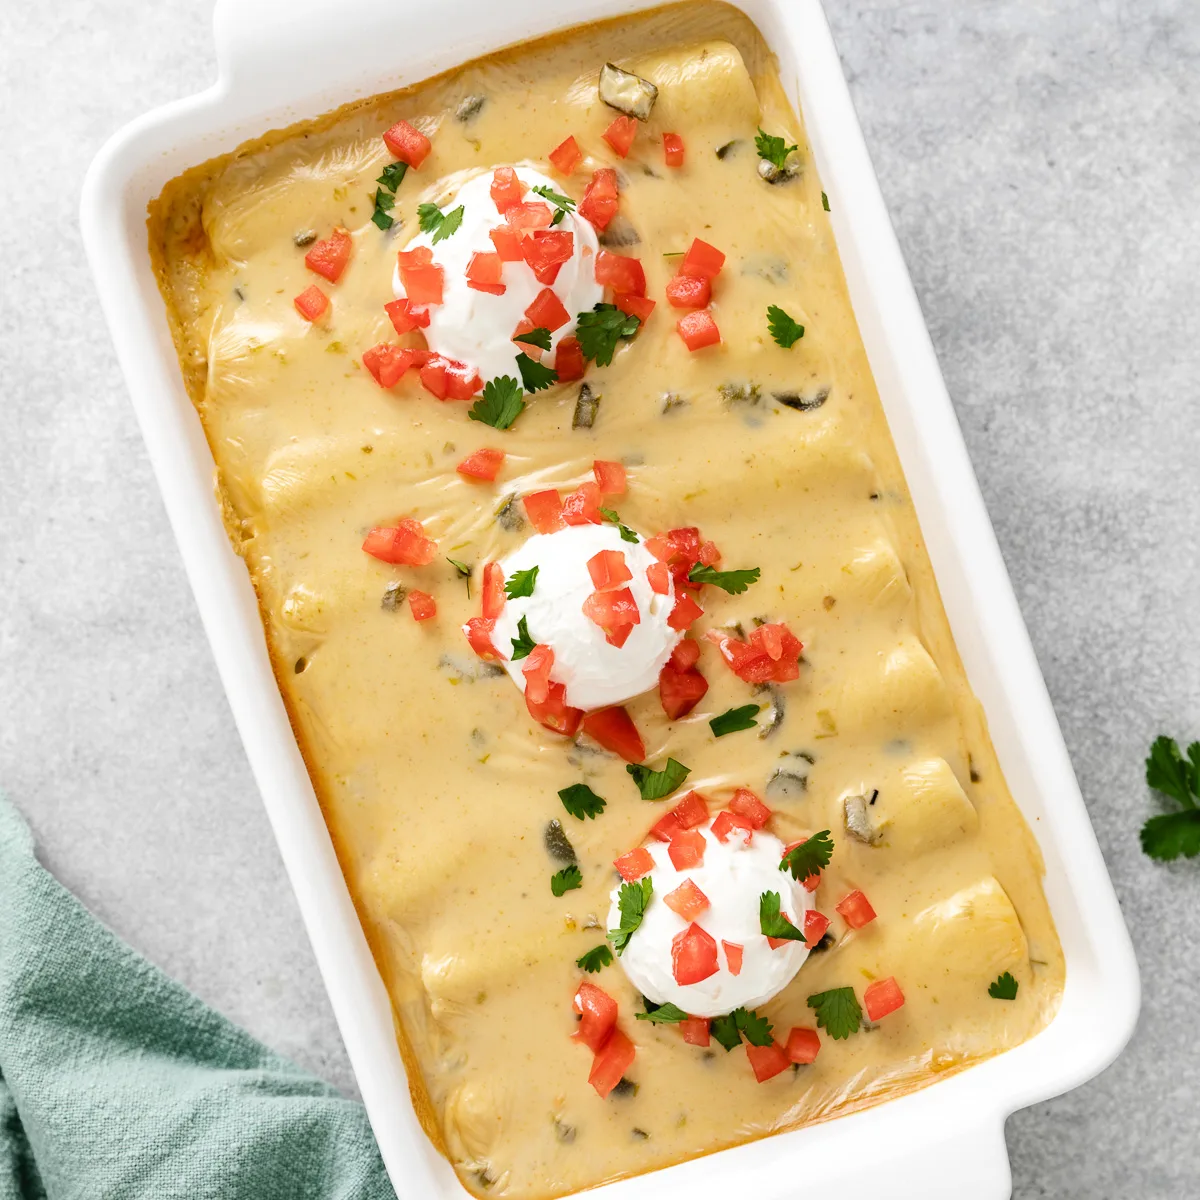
pixel 283 62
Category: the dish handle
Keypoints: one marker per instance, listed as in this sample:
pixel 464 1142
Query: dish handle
pixel 960 1164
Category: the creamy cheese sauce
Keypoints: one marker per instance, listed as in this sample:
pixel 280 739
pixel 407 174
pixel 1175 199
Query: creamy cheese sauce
pixel 436 784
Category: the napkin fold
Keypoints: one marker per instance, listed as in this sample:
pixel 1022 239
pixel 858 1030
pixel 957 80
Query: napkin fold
pixel 116 1083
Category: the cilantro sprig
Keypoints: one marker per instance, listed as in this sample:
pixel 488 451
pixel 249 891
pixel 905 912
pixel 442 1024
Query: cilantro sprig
pixel 501 403
pixel 773 923
pixel 539 337
pixel 1170 835
pixel 596 959
pixel 563 204
pixel 581 802
pixel 837 1012
pixel 440 224
pixel 733 582
pixel 742 1022
pixel 612 517
pixel 786 331
pixel 774 149
pixel 522 644
pixel 535 375
pixel 385 194
pixel 632 901
pixel 654 785
pixel 393 175
pixel 662 1014
pixel 566 880
pixel 734 720
pixel 600 330
pixel 810 857
pixel 1003 988
pixel 520 583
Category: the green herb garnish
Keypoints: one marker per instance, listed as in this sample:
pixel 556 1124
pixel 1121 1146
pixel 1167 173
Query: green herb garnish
pixel 654 785
pixel 440 224
pixel 734 720
pixel 1004 988
pixel 627 534
pixel 632 901
pixel 566 880
pixel 520 583
pixel 393 175
pixel 464 571
pixel 725 1030
pixel 539 337
pixel 837 1012
pixel 580 801
pixel 774 149
pixel 663 1014
pixel 810 857
pixel 564 204
pixel 824 202
pixel 534 375
pixel 729 1029
pixel 595 959
pixel 773 923
pixel 384 203
pixel 1170 835
pixel 599 331
pixel 501 403
pixel 783 328
pixel 733 582
pixel 523 644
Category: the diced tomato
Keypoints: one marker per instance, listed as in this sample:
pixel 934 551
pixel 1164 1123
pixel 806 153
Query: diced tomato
pixel 815 924
pixel 634 864
pixel 329 256
pixel 506 189
pixel 524 326
pixel 423 284
pixel 687 899
pixel 686 655
pixel 634 306
pixel 610 477
pixel 748 805
pixel 855 910
pixel 803 1045
pixel 686 849
pixel 620 134
pixel 600 198
pixel 404 543
pixel 733 956
pixel 536 668
pixel 611 1063
pixel 418 256
pixel 673 149
pixel 680 691
pixel 695 1031
pixel 547 311
pixel 387 364
pixel 686 611
pixel 659 576
pixel 566 156
pixel 554 712
pixel 689 291
pixel 751 660
pixel 409 145
pixel 621 273
pixel 692 810
pixel 693 955
pixel 483 464
pixel 582 506
pixel 727 823
pixel 882 997
pixel 666 827
pixel 698 329
pixel 545 250
pixel 568 360
pixel 679 549
pixel 479 636
pixel 422 604
pixel 608 570
pixel 613 610
pixel 450 380
pixel 774 942
pixel 544 510
pixel 614 729
pixel 598 1016
pixel 709 554
pixel 493 589
pixel 507 242
pixel 404 317
pixel 767 1061
pixel 484 273
pixel 312 303
pixel 702 260
pixel 527 216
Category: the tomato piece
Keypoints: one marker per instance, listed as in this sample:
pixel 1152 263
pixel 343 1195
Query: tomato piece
pixel 686 655
pixel 803 1045
pixel 691 811
pixel 727 823
pixel 689 291
pixel 659 577
pixel 634 864
pixel 609 476
pixel 404 543
pixel 329 256
pixel 493 590
pixel 634 306
pixel 554 712
pixel 767 1061
pixel 781 646
pixel 774 942
pixel 404 317
pixel 568 360
pixel 545 250
pixel 312 303
pixel 536 668
pixel 620 134
pixel 387 364
pixel 611 1063
pixel 422 604
pixel 815 924
pixel 748 805
pixel 527 216
pixel 484 464
pixel 450 380
pixel 680 691
pixel 693 955
pixel 409 145
pixel 600 198
pixel 666 827
pixel 686 611
pixel 524 326
pixel 673 149
pixel 709 554
pixel 608 570
pixel 582 506
pixel 752 661
pixel 733 956
pixel 479 637
pixel 679 549
pixel 544 510
pixel 698 329
pixel 423 284
pixel 614 729
pixel 686 849
pixel 418 256
pixel 566 156
pixel 695 1031
pixel 621 273
pixel 507 242
pixel 547 311
pixel 484 273
pixel 882 997
pixel 687 900
pixel 612 610
pixel 506 189
pixel 702 260
pixel 598 1015
pixel 855 910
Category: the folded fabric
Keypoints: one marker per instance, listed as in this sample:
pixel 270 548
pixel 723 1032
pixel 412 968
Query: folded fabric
pixel 118 1084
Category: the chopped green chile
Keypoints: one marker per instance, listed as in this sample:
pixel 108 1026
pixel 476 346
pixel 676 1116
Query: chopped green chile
pixel 558 845
pixel 802 403
pixel 776 709
pixel 468 107
pixel 619 233
pixel 587 405
pixel 740 393
pixel 508 515
pixel 394 595
pixel 627 92
pixel 305 237
pixel 723 152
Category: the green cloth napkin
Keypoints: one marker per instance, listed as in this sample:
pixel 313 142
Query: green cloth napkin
pixel 118 1084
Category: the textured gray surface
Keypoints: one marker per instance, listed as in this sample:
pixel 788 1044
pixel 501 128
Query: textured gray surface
pixel 1041 165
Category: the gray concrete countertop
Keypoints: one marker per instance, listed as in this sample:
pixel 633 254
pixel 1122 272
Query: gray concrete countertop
pixel 1042 166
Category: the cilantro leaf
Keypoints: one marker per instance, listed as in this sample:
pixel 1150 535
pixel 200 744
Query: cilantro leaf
pixel 566 880
pixel 1170 835
pixel 501 403
pixel 725 1030
pixel 520 583
pixel 393 175
pixel 774 149
pixel 654 785
pixel 756 1029
pixel 464 571
pixel 1004 988
pixel 810 857
pixel 580 801
pixel 564 204
pixel 734 720
pixel 522 644
pixel 632 901
pixel 599 331
pixel 824 202
pixel 664 1014
pixel 627 534
pixel 535 375
pixel 773 923
pixel 384 203
pixel 440 224
pixel 595 959
pixel 786 331
pixel 733 582
pixel 539 337
pixel 838 1012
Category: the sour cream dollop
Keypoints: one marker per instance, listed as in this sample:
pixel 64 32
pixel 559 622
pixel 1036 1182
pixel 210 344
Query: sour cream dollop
pixel 594 673
pixel 476 327
pixel 733 876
